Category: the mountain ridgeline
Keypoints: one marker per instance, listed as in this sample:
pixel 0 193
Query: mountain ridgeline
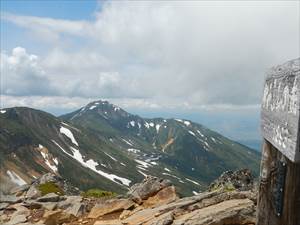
pixel 103 146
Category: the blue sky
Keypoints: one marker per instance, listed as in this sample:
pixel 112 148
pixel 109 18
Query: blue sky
pixel 203 61
pixel 12 35
pixel 59 9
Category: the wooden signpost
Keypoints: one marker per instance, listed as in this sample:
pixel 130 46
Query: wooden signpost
pixel 279 189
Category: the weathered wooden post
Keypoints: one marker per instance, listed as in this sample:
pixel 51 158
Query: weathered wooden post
pixel 279 189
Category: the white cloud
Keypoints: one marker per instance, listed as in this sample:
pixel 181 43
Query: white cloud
pixel 21 74
pixel 204 54
pixel 47 28
pixel 71 103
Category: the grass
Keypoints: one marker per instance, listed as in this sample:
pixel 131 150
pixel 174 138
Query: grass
pixel 50 187
pixel 98 193
pixel 227 187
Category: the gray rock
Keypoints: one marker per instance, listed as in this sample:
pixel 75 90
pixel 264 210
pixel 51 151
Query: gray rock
pixel 77 209
pixel 69 201
pixel 165 219
pixel 3 205
pixel 18 189
pixel 9 199
pixel 49 205
pixel 33 193
pixel 32 204
pixel 17 219
pixel 51 197
pixel 48 177
pixel 237 211
pixel 149 187
pixel 20 210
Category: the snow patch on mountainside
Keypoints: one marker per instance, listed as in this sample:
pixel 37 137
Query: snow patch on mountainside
pixel 91 164
pixel 213 139
pixel 145 175
pixel 192 133
pixel 127 142
pixel 179 120
pixel 171 175
pixel 133 150
pixel 47 159
pixel 15 178
pixel 110 156
pixel 52 167
pixel 187 123
pixel 2 111
pixel 116 108
pixel 142 163
pixel 69 134
pixel 166 169
pixel 192 181
pixel 157 127
pixel 199 132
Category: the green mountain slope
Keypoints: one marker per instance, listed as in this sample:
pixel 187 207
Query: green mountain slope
pixel 190 148
pixel 103 146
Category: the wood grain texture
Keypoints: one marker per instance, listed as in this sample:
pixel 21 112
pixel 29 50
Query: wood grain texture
pixel 266 214
pixel 280 115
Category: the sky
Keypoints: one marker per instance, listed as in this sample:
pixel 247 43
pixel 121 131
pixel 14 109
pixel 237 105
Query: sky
pixel 200 60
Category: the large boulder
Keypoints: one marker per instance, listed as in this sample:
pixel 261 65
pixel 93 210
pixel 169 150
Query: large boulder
pixel 9 199
pixel 236 211
pixel 149 187
pixel 110 206
pixel 33 193
pixel 19 215
pixel 58 217
pixel 3 205
pixel 164 196
pixel 20 189
pixel 51 197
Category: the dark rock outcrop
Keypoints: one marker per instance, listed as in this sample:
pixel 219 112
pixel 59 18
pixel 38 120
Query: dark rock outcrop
pixel 241 180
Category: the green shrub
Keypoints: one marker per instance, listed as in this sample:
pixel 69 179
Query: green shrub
pixel 98 193
pixel 50 187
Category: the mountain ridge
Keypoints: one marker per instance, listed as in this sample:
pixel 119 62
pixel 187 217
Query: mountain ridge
pixel 103 140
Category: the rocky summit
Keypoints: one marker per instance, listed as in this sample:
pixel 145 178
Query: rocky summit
pixel 152 202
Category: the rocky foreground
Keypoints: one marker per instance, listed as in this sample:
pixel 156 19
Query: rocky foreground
pixel 230 200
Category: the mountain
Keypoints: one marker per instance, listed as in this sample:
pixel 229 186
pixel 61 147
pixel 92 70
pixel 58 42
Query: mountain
pixel 101 145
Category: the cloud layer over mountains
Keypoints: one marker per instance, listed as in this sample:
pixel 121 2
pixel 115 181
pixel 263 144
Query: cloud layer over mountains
pixel 153 54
